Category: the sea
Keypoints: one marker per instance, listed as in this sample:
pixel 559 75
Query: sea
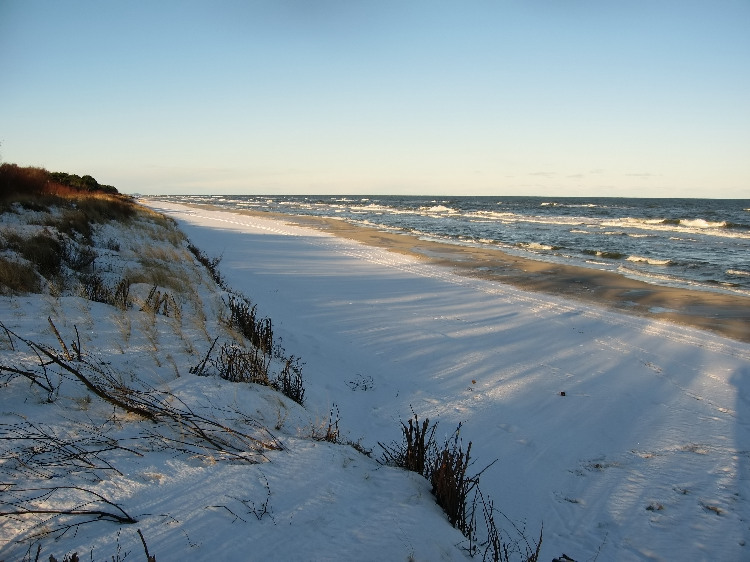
pixel 691 243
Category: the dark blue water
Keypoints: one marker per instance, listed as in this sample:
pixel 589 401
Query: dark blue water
pixel 697 243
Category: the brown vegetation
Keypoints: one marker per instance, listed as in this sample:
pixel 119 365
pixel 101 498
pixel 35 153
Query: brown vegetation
pixel 18 182
pixel 17 277
pixel 67 208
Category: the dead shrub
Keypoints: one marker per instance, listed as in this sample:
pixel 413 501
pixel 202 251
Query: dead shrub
pixel 72 221
pixel 416 451
pixel 96 289
pixel 258 331
pixel 17 181
pixel 121 296
pixel 328 431
pixel 161 303
pixel 501 546
pixel 44 251
pixel 234 363
pixel 451 486
pixel 119 556
pixel 289 382
pixel 457 493
pixel 211 264
pixel 237 364
pixel 78 256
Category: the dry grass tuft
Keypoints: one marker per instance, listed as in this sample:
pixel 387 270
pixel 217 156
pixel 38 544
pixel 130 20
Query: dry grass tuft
pixel 17 278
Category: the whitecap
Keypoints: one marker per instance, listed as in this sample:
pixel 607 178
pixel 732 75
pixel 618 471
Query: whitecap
pixel 650 261
pixel 702 223
pixel 535 246
pixel 438 209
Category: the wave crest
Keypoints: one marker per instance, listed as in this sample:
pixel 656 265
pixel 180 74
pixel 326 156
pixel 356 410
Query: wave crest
pixel 649 261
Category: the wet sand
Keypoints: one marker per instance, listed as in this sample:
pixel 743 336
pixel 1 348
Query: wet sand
pixel 725 314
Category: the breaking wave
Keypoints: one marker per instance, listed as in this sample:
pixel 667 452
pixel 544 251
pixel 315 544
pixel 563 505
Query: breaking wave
pixel 650 261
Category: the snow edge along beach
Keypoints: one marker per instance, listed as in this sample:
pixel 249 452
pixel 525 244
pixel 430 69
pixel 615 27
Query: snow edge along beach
pixel 646 454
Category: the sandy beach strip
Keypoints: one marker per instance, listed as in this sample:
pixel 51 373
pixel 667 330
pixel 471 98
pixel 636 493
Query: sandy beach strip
pixel 723 313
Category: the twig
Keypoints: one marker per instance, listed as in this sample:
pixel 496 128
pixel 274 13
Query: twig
pixel 230 511
pixel 149 558
pixel 101 514
pixel 8 333
pixel 202 365
pixel 59 338
pixel 77 346
pixel 91 386
pixel 33 377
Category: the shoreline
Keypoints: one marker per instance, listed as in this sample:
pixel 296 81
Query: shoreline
pixel 725 314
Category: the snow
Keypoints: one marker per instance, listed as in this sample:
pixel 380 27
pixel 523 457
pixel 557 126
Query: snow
pixel 645 456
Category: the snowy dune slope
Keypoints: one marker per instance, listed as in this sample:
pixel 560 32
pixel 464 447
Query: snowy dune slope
pixel 645 457
pixel 293 498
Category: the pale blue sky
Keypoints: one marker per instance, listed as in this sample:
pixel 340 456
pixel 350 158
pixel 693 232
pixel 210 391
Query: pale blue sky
pixel 556 97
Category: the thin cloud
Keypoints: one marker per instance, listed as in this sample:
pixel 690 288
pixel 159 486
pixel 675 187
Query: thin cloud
pixel 643 175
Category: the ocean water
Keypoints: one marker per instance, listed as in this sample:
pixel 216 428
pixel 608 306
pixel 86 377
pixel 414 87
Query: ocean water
pixel 695 243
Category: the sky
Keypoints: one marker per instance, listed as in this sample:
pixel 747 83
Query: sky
pixel 567 98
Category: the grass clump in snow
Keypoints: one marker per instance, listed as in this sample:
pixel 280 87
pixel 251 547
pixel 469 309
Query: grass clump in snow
pixel 237 364
pixel 16 277
pixel 445 467
pixel 251 364
pixel 42 250
pixel 211 264
pixel 96 289
pixel 259 331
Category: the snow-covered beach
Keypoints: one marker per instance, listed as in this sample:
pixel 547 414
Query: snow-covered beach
pixel 626 437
